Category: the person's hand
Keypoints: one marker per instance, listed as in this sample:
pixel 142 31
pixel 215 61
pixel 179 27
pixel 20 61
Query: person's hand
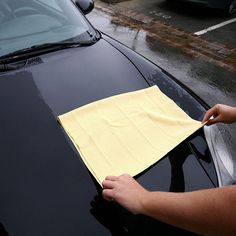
pixel 124 190
pixel 220 113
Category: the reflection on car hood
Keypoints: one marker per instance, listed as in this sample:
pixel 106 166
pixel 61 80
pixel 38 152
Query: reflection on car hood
pixel 79 76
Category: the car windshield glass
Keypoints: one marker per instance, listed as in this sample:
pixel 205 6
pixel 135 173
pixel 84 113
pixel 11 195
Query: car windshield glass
pixel 25 23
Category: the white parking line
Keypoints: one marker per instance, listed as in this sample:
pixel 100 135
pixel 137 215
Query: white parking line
pixel 215 27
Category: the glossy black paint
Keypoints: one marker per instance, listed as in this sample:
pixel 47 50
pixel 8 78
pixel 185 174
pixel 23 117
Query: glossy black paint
pixel 45 187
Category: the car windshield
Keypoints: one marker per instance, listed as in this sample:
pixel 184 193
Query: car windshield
pixel 26 23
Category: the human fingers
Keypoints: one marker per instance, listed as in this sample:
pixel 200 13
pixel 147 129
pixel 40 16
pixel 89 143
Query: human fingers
pixel 211 112
pixel 214 120
pixel 125 175
pixel 111 178
pixel 108 184
pixel 107 194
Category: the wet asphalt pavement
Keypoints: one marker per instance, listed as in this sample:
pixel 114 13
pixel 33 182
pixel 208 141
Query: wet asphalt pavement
pixel 209 74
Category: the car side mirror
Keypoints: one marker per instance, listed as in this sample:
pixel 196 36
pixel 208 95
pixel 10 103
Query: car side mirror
pixel 85 6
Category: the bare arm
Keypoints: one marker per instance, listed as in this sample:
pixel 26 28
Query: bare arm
pixel 220 113
pixel 206 212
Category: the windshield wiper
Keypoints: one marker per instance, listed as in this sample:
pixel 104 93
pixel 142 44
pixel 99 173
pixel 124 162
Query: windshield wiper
pixel 13 60
pixel 8 67
pixel 38 49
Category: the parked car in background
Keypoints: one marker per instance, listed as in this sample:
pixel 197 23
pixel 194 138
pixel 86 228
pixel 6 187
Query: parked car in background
pixel 228 6
pixel 52 60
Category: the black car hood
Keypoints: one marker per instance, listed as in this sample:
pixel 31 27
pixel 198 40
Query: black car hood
pixel 74 77
pixel 45 187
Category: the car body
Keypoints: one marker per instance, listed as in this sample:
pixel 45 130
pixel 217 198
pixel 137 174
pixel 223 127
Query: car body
pixel 52 60
pixel 228 6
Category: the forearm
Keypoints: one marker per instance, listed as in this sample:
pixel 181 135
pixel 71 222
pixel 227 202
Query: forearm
pixel 206 212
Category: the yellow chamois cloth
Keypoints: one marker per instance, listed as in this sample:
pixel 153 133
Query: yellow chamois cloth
pixel 127 133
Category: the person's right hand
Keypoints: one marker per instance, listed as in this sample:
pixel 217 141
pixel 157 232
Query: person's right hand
pixel 220 113
pixel 126 191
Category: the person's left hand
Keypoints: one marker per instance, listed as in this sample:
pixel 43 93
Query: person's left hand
pixel 126 191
